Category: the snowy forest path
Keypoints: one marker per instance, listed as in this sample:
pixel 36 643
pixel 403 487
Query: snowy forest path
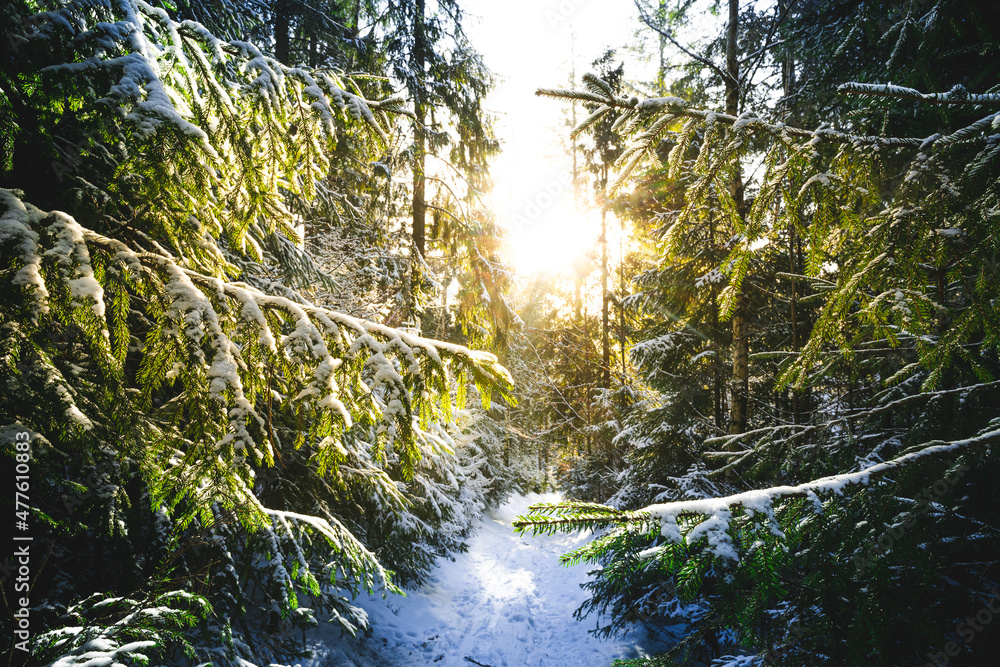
pixel 506 602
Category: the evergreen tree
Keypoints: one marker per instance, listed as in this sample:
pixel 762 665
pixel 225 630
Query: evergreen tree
pixel 858 528
pixel 220 444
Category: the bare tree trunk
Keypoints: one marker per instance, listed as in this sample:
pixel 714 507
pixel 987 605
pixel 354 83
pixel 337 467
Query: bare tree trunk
pixel 739 385
pixel 788 84
pixel 282 44
pixel 588 381
pixel 605 337
pixel 418 61
pixel 572 85
pixel 621 296
pixel 355 31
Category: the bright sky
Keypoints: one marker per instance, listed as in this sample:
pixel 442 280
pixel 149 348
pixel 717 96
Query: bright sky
pixel 528 44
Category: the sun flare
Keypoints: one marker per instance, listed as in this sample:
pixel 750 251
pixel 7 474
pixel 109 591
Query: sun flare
pixel 553 242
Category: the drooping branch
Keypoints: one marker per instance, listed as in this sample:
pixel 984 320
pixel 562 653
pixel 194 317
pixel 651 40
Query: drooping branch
pixel 567 517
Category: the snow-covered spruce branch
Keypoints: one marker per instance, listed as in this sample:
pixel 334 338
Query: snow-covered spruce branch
pixel 119 630
pixel 227 118
pixel 634 108
pixel 957 95
pixel 352 334
pixel 224 350
pixel 649 120
pixel 363 564
pixel 717 513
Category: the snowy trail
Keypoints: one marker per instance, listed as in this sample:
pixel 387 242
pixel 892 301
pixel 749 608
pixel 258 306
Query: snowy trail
pixel 505 603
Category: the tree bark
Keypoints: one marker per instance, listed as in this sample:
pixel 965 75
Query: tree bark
pixel 282 43
pixel 605 335
pixel 621 297
pixel 739 385
pixel 418 62
pixel 355 31
pixel 419 181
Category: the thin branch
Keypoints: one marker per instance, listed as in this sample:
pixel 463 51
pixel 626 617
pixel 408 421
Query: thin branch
pixel 805 430
pixel 704 61
pixel 751 71
pixel 756 53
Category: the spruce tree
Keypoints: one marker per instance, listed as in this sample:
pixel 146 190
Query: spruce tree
pixel 219 442
pixel 858 531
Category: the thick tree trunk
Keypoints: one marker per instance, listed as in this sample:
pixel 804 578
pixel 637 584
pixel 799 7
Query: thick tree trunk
pixel 739 385
pixel 355 31
pixel 732 64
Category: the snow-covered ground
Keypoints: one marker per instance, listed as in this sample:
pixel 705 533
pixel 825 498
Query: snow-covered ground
pixel 507 602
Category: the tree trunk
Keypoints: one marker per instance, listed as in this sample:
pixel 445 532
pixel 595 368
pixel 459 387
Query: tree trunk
pixel 661 75
pixel 739 386
pixel 588 381
pixel 418 62
pixel 572 85
pixel 795 267
pixel 605 336
pixel 282 44
pixel 621 297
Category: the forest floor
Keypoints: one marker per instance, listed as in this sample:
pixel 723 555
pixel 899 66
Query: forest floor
pixel 506 602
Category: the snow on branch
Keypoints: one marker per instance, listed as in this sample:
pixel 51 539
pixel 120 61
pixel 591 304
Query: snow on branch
pixel 224 352
pixel 313 326
pixel 651 120
pixel 364 564
pixel 635 109
pixel 254 132
pixel 797 432
pixel 717 513
pixel 957 95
